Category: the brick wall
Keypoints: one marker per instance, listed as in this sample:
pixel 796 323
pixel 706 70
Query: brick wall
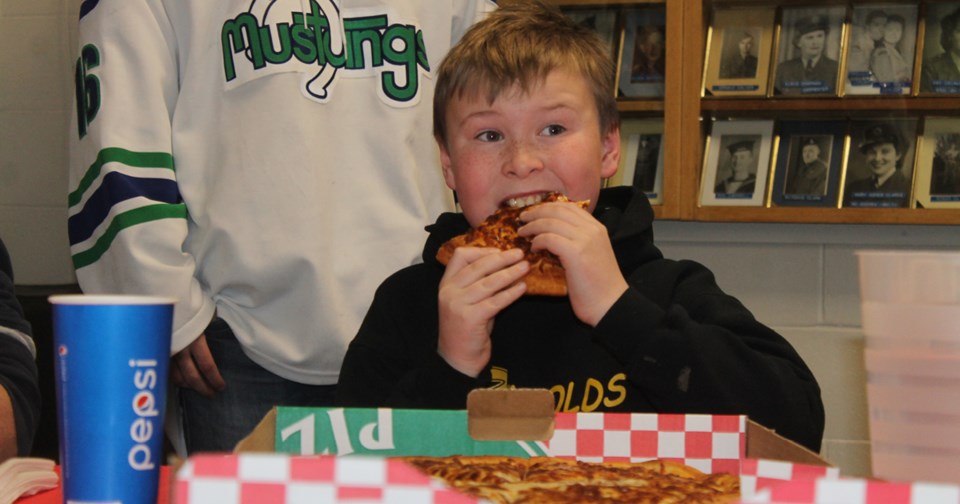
pixel 36 87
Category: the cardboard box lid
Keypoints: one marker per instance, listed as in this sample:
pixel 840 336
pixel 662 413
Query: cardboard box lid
pixel 522 423
pixel 764 443
pixel 520 414
pixel 381 432
pixel 260 440
pixel 711 443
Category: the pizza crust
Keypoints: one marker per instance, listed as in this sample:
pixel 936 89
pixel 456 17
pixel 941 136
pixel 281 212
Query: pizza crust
pixel 445 253
pixel 546 276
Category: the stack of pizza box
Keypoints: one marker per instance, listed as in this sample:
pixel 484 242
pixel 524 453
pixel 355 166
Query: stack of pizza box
pixel 344 454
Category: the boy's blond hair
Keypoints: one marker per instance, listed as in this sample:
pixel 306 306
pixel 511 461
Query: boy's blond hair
pixel 520 44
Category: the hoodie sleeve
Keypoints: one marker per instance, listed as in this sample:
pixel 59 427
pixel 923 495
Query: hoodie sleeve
pixel 692 348
pixel 127 221
pixel 18 368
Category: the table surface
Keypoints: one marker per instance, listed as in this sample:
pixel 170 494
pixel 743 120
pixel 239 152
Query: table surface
pixel 55 495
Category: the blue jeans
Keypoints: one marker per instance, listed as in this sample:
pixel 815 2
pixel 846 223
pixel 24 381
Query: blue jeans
pixel 218 423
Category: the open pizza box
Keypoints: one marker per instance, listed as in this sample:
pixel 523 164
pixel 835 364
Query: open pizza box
pixel 300 451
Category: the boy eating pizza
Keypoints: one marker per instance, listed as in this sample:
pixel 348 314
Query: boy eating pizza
pixel 524 108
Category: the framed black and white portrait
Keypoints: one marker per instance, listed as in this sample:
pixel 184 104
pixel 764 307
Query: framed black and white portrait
pixel 940 62
pixel 809 162
pixel 880 163
pixel 737 163
pixel 808 50
pixel 641 157
pixel 738 56
pixel 601 20
pixel 881 48
pixel 938 164
pixel 643 63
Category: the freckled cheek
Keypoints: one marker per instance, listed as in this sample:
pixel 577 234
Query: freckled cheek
pixel 475 159
pixel 469 186
pixel 475 177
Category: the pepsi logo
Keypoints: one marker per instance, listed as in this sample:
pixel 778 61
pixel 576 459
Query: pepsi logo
pixel 145 407
pixel 144 404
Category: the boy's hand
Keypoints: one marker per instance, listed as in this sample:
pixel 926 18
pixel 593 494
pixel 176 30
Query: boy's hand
pixel 594 280
pixel 478 283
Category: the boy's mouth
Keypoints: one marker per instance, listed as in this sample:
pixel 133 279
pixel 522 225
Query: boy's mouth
pixel 523 201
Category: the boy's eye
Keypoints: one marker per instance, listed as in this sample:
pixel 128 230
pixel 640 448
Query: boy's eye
pixel 489 136
pixel 553 129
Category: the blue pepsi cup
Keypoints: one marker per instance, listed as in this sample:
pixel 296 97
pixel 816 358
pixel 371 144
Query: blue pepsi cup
pixel 111 357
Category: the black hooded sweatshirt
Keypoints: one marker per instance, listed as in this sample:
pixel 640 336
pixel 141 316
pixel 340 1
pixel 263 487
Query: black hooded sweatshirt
pixel 673 343
pixel 18 369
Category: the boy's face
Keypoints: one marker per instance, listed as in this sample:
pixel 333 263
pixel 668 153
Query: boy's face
pixel 527 144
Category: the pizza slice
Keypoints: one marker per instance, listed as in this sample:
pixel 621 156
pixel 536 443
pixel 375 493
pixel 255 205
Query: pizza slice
pixel 546 276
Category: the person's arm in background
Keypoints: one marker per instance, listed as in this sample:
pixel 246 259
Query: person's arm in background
pixel 8 430
pixel 19 400
pixel 19 388
pixel 127 220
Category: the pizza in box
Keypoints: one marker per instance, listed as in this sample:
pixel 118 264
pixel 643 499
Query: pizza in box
pixel 503 479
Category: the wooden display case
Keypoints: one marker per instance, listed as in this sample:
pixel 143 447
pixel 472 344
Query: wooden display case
pixel 698 109
pixel 686 111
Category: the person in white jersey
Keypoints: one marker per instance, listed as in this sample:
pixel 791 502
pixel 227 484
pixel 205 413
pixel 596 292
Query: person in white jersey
pixel 255 159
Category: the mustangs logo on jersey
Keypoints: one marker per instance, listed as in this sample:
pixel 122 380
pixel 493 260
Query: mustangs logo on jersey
pixel 324 45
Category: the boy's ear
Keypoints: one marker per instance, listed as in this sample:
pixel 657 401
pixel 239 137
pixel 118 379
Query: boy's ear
pixel 446 164
pixel 610 160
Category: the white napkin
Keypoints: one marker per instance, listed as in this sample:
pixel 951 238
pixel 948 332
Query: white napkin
pixel 22 476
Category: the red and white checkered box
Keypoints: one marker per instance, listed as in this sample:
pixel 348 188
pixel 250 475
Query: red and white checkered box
pixel 293 479
pixel 710 443
pixel 857 491
pixel 757 475
pixel 256 478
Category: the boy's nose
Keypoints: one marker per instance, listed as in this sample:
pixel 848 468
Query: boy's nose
pixel 522 159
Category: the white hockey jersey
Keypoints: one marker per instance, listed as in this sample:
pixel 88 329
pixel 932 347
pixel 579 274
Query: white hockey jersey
pixel 270 160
